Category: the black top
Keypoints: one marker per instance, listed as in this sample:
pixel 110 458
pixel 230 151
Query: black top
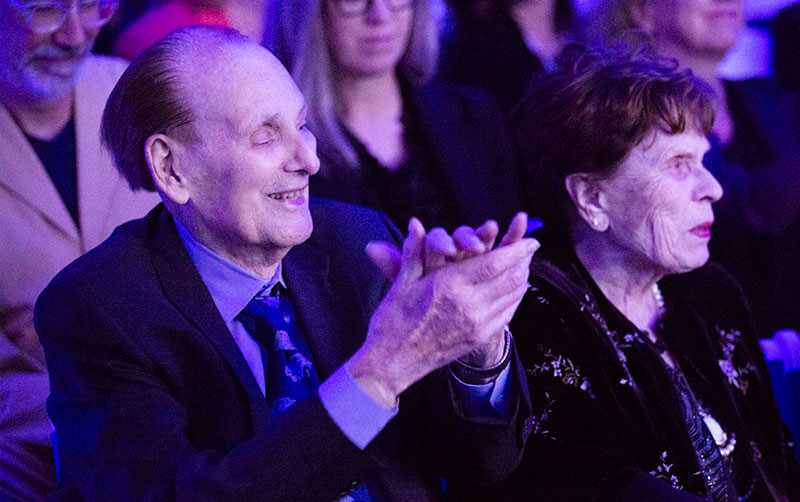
pixel 415 188
pixel 786 44
pixel 59 159
pixel 461 167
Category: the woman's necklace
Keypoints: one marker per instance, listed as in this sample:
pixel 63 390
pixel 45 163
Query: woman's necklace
pixel 725 442
pixel 659 300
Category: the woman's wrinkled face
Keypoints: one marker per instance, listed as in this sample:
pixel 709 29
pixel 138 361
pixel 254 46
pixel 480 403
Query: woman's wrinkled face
pixel 658 203
pixel 370 42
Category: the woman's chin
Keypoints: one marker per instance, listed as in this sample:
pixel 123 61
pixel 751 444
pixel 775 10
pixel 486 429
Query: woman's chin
pixel 689 263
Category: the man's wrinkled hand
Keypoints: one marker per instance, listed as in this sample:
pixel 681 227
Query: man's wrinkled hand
pixel 440 310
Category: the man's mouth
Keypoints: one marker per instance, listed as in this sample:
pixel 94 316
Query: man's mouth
pixel 293 195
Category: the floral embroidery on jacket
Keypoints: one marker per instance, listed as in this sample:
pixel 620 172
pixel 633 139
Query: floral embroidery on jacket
pixel 535 424
pixel 564 369
pixel 590 306
pixel 664 472
pixel 738 375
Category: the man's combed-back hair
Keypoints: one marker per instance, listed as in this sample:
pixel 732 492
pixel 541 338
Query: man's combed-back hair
pixel 589 114
pixel 149 98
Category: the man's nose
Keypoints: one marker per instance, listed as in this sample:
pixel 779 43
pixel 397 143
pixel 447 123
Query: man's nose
pixel 71 33
pixel 305 154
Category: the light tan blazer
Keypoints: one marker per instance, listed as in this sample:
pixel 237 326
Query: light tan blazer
pixel 37 235
pixel 37 239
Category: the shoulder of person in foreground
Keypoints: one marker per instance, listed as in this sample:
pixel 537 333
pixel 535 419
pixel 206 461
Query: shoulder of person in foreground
pixel 350 225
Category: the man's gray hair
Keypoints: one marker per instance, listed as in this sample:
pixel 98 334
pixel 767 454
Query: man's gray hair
pixel 149 97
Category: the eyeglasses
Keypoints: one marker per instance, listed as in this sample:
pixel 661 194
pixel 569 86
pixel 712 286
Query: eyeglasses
pixel 45 17
pixel 351 8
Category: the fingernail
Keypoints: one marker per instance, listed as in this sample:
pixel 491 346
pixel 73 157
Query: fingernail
pixel 414 222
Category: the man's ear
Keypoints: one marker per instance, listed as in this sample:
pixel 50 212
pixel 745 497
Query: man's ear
pixel 160 153
pixel 585 193
pixel 642 14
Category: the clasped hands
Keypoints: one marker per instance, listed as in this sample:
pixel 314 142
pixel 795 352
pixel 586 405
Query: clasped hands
pixel 450 298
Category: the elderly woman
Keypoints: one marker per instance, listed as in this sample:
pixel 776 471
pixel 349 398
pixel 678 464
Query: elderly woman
pixel 644 369
pixel 755 151
pixel 391 137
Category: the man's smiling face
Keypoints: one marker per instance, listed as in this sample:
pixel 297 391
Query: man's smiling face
pixel 250 154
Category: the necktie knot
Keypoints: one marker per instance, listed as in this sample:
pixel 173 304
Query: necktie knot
pixel 289 375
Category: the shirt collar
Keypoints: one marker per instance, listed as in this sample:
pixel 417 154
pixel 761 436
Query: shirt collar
pixel 231 286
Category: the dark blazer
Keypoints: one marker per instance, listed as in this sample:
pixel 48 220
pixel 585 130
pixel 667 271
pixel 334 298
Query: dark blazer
pixel 608 423
pixel 466 134
pixel 785 28
pixel 489 54
pixel 152 398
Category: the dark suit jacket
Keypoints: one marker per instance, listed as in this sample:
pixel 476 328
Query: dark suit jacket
pixel 152 398
pixel 466 134
pixel 489 54
pixel 786 44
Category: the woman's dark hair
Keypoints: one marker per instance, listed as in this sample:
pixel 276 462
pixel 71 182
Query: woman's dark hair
pixel 589 114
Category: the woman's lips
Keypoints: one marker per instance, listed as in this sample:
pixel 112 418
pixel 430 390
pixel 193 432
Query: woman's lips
pixel 703 230
pixel 378 42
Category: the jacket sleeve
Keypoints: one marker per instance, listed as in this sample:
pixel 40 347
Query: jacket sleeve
pixel 123 432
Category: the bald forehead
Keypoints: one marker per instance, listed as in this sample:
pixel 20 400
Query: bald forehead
pixel 237 84
pixel 212 65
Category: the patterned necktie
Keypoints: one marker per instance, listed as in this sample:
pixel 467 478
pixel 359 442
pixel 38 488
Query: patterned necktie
pixel 289 374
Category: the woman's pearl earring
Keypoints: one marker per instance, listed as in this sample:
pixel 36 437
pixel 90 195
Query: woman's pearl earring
pixel 595 221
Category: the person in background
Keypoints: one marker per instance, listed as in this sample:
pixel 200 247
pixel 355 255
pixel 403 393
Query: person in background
pixel 59 197
pixel 645 371
pixel 392 137
pixel 755 146
pixel 246 16
pixel 499 45
pixel 785 28
pixel 239 343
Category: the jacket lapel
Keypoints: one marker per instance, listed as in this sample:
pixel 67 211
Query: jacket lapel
pixel 23 176
pixel 185 289
pixel 444 128
pixel 327 306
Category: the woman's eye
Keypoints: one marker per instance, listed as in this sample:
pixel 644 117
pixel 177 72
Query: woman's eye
pixel 681 165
